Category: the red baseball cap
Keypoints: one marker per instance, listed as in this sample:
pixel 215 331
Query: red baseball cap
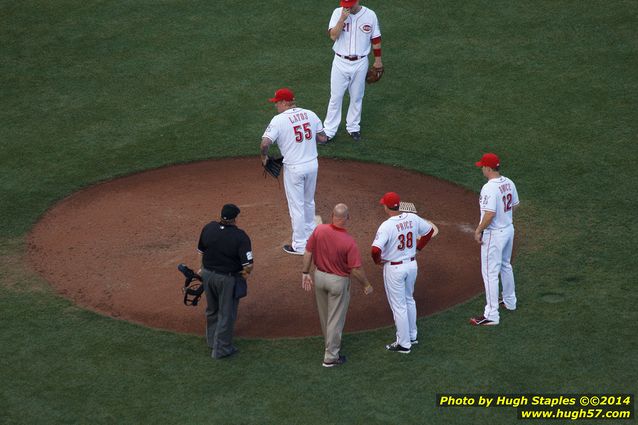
pixel 390 200
pixel 348 3
pixel 489 160
pixel 283 94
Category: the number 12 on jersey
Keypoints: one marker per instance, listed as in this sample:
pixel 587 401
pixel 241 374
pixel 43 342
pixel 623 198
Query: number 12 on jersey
pixel 507 202
pixel 302 132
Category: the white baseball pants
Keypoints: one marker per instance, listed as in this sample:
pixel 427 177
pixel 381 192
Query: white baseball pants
pixel 349 75
pixel 496 253
pixel 399 287
pixel 300 182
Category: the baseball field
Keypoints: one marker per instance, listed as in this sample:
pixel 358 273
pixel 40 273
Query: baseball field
pixel 92 91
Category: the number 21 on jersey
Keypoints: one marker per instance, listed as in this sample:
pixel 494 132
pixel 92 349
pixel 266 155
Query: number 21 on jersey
pixel 302 132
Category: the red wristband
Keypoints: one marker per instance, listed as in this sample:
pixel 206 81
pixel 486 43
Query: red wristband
pixel 377 53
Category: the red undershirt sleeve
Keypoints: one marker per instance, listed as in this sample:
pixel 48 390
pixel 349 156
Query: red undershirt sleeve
pixel 376 254
pixel 423 240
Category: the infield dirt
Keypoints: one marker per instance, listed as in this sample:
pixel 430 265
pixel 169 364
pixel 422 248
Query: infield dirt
pixel 114 247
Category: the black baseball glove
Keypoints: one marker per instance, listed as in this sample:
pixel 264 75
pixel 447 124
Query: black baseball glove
pixel 273 166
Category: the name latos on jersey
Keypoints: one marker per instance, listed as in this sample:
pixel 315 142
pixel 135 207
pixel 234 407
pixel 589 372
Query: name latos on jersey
pixel 300 116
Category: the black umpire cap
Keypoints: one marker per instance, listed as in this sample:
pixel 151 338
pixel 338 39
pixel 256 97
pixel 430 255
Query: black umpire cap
pixel 230 211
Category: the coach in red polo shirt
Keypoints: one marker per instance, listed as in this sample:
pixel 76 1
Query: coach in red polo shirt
pixel 335 255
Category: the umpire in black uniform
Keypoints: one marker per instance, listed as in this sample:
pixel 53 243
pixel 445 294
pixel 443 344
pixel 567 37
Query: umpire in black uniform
pixel 226 257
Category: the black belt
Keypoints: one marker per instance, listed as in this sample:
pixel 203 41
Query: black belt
pixel 222 273
pixel 350 58
pixel 395 263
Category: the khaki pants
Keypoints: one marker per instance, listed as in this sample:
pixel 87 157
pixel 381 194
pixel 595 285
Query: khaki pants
pixel 333 297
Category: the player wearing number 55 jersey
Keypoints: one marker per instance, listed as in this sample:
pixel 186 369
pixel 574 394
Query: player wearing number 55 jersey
pixel 395 246
pixel 296 131
pixel 495 234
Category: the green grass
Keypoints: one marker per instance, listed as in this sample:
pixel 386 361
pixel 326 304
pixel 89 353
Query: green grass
pixel 95 90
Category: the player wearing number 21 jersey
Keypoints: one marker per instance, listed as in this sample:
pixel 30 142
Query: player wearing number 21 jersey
pixel 395 246
pixel 296 131
pixel 495 234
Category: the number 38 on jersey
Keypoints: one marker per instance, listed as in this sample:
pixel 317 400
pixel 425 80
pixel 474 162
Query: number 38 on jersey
pixel 405 240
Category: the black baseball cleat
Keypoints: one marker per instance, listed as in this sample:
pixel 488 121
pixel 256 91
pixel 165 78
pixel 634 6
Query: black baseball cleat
pixel 329 140
pixel 395 347
pixel 290 250
pixel 341 360
pixel 232 352
pixel 356 136
pixel 482 321
pixel 414 341
pixel 501 303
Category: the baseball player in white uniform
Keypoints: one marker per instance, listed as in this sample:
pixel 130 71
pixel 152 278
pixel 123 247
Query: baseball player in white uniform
pixel 395 246
pixel 495 234
pixel 354 29
pixel 296 131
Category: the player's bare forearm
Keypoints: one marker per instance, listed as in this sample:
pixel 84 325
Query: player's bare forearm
pixel 198 262
pixel 265 146
pixel 360 275
pixel 321 137
pixel 487 219
pixel 335 31
pixel 248 268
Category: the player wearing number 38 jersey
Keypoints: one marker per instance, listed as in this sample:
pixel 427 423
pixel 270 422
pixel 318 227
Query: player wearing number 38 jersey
pixel 495 234
pixel 296 131
pixel 395 246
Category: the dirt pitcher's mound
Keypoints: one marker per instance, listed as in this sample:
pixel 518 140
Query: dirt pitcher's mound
pixel 114 247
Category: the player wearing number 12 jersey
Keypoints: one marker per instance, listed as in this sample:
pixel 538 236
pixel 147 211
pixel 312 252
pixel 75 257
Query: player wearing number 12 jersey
pixel 495 234
pixel 395 246
pixel 296 131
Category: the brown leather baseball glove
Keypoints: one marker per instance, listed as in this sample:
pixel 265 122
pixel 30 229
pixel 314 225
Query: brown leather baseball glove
pixel 374 75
